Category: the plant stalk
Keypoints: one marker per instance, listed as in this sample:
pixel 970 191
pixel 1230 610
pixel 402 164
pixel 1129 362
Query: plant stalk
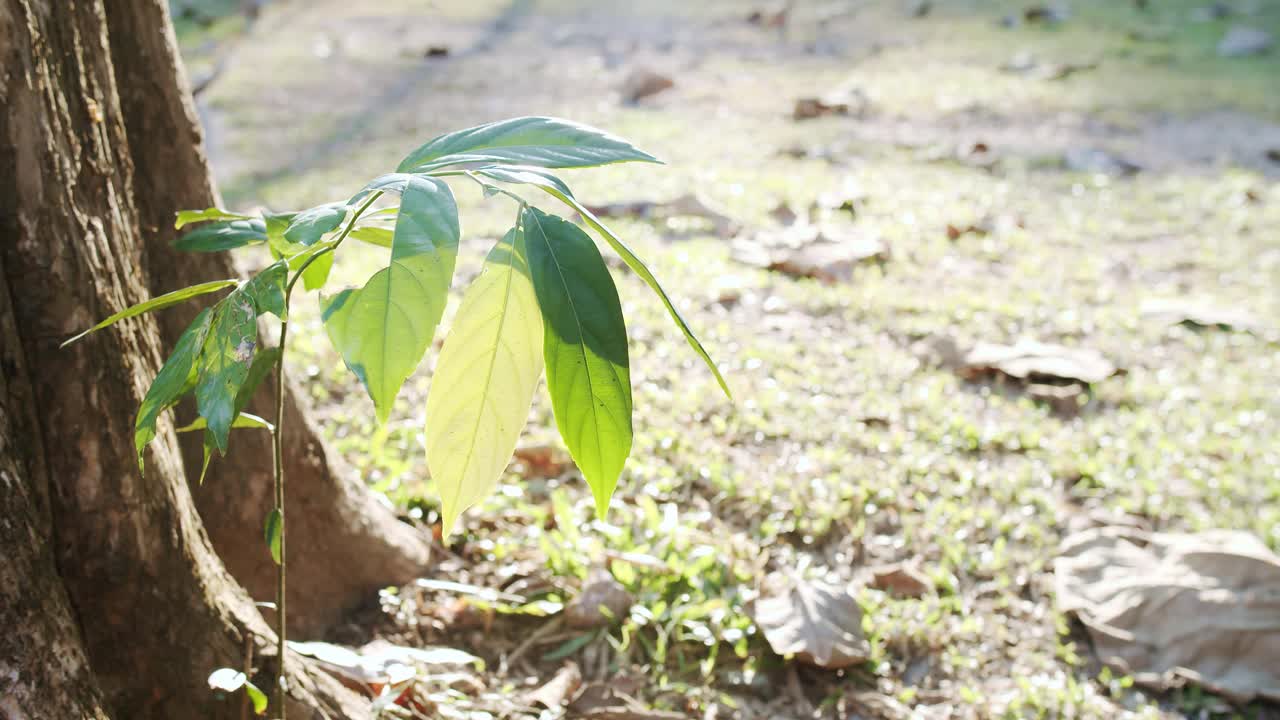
pixel 277 451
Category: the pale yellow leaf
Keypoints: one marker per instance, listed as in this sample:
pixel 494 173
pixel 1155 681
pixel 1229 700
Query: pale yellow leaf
pixel 484 381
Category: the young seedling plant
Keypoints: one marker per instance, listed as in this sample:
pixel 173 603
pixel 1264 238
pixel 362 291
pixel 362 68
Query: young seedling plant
pixel 544 299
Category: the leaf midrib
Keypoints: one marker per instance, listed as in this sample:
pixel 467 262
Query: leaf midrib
pixel 488 378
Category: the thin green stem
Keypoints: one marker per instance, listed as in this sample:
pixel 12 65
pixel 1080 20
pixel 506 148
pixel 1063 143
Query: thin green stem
pixel 277 451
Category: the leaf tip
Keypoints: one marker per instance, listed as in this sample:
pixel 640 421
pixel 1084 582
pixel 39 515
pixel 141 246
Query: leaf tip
pixel 448 519
pixel 602 504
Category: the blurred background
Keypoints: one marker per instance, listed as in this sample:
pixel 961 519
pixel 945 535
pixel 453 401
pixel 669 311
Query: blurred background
pixel 983 275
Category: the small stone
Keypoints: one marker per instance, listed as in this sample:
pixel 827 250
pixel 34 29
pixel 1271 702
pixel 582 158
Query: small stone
pixel 783 213
pixel 808 108
pixel 601 591
pixel 1242 41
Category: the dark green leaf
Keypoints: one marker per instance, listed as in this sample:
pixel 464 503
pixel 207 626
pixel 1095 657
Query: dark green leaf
pixel 267 289
pixel 186 217
pixel 540 141
pixel 157 303
pixel 263 363
pixel 383 329
pixel 557 189
pixel 223 235
pixel 171 383
pixel 309 226
pixel 272 532
pixel 225 361
pixel 570 646
pixel 585 348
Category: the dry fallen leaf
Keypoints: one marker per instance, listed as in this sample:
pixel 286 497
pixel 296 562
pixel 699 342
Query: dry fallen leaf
pixel 542 461
pixel 808 108
pixel 642 83
pixel 380 662
pixel 817 622
pixel 1198 313
pixel 824 252
pixel 687 205
pixel 902 579
pixel 557 691
pixel 1037 362
pixel 774 16
pixel 1064 400
pixel 1170 607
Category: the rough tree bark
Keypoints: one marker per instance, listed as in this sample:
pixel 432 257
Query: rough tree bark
pixel 156 610
pixel 42 659
pixel 343 545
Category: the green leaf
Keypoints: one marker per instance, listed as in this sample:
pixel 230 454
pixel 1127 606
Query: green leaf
pixel 308 226
pixel 268 287
pixel 571 646
pixel 585 346
pixel 391 182
pixel 557 189
pixel 157 303
pixel 257 697
pixel 484 381
pixel 223 235
pixel 225 361
pixel 297 261
pixel 186 217
pixel 540 141
pixel 272 531
pixel 276 224
pixel 207 447
pixel 243 421
pixel 383 329
pixel 228 370
pixel 526 176
pixel 373 235
pixel 317 273
pixel 172 382
pixel 263 363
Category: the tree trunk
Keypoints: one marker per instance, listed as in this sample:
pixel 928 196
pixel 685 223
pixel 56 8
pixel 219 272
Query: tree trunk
pixel 156 610
pixel 344 545
pixel 43 669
